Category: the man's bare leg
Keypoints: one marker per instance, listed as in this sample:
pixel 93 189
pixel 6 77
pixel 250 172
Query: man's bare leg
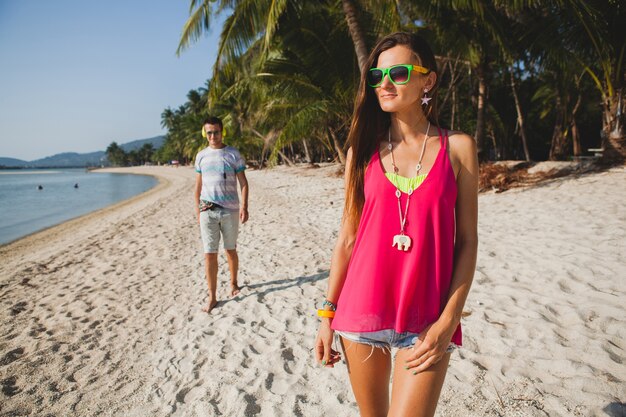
pixel 210 269
pixel 233 265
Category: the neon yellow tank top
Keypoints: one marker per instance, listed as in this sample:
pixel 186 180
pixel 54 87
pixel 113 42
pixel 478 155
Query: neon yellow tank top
pixel 403 183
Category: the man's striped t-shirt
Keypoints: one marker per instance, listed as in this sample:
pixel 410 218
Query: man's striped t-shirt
pixel 219 168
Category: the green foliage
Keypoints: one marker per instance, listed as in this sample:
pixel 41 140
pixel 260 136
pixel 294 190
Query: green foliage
pixel 118 157
pixel 286 73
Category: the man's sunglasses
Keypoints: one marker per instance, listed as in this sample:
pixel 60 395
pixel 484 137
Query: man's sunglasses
pixel 207 133
pixel 398 74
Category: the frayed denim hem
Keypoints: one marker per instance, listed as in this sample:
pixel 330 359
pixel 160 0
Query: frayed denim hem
pixel 398 340
pixel 350 337
pixel 451 347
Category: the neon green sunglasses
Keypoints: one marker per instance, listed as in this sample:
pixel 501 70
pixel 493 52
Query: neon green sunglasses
pixel 398 74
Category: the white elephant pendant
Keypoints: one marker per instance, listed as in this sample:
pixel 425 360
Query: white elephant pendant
pixel 403 242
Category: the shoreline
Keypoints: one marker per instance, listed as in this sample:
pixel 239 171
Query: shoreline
pixel 61 228
pixel 103 317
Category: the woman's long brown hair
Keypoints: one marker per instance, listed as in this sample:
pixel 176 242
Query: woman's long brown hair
pixel 370 123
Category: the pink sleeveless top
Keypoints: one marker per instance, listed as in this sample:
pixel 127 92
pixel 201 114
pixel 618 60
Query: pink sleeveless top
pixel 390 289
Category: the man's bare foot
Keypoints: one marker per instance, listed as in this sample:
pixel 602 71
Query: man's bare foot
pixel 234 290
pixel 207 308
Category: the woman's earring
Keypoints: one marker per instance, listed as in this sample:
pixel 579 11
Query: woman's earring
pixel 426 99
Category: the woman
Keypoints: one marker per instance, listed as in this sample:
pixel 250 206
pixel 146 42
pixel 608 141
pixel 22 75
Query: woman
pixel 406 252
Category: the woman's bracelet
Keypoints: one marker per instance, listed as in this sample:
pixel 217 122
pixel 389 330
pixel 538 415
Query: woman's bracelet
pixel 332 306
pixel 326 313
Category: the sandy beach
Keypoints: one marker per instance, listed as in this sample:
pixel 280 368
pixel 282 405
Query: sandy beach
pixel 101 315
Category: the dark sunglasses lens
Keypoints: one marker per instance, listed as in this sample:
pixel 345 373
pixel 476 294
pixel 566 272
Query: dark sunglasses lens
pixel 374 77
pixel 399 74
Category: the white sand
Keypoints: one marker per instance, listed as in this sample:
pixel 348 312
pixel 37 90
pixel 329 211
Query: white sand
pixel 101 315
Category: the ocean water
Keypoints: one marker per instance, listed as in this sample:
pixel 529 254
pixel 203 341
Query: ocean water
pixel 25 209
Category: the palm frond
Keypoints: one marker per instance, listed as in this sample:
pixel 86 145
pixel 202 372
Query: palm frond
pixel 299 126
pixel 198 22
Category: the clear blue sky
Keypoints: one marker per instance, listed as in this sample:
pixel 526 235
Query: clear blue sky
pixel 76 75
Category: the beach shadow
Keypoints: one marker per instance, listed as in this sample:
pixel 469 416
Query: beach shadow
pixel 560 177
pixel 275 285
pixel 615 409
pixel 290 282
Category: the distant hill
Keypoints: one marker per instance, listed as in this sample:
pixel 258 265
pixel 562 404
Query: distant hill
pixel 11 162
pixel 73 159
pixel 69 159
pixel 156 141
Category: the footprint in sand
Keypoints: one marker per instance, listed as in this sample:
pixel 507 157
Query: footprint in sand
pixel 300 399
pixel 9 387
pixel 287 355
pixel 252 408
pixel 18 308
pixel 11 356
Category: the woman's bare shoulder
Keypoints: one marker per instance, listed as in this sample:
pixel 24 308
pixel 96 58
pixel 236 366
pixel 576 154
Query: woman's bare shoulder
pixel 459 138
pixel 462 145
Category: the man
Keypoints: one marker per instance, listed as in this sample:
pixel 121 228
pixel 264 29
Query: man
pixel 219 168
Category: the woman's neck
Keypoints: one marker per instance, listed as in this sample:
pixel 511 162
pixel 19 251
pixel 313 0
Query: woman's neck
pixel 408 126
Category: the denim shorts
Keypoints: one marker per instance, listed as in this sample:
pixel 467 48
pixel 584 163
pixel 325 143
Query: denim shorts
pixel 386 339
pixel 216 222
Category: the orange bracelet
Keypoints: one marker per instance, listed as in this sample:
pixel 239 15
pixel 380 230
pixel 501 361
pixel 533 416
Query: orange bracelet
pixel 326 313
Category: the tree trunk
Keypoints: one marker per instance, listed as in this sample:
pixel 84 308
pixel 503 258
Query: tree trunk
pixel 575 138
pixel 288 161
pixel 574 128
pixel 614 130
pixel 520 118
pixel 454 78
pixel 480 112
pixel 453 107
pixel 558 146
pixel 358 38
pixel 340 153
pixel 262 158
pixel 307 154
pixel 267 139
pixel 494 143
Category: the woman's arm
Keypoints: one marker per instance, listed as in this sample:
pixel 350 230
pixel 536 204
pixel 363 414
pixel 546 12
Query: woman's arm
pixel 337 276
pixel 466 239
pixel 434 340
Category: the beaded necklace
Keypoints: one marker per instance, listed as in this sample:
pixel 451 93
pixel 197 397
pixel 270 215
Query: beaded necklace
pixel 402 241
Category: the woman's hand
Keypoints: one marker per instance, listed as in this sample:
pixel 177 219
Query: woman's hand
pixel 324 353
pixel 430 346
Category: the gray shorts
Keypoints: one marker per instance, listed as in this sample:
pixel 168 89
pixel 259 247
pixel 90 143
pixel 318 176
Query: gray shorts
pixel 215 222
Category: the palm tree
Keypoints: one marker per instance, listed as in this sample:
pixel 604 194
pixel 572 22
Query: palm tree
pixel 316 100
pixel 602 23
pixel 145 152
pixel 285 75
pixel 590 36
pixel 473 31
pixel 356 33
pixel 252 21
pixel 116 155
pixel 518 109
pixel 248 21
pixel 167 118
